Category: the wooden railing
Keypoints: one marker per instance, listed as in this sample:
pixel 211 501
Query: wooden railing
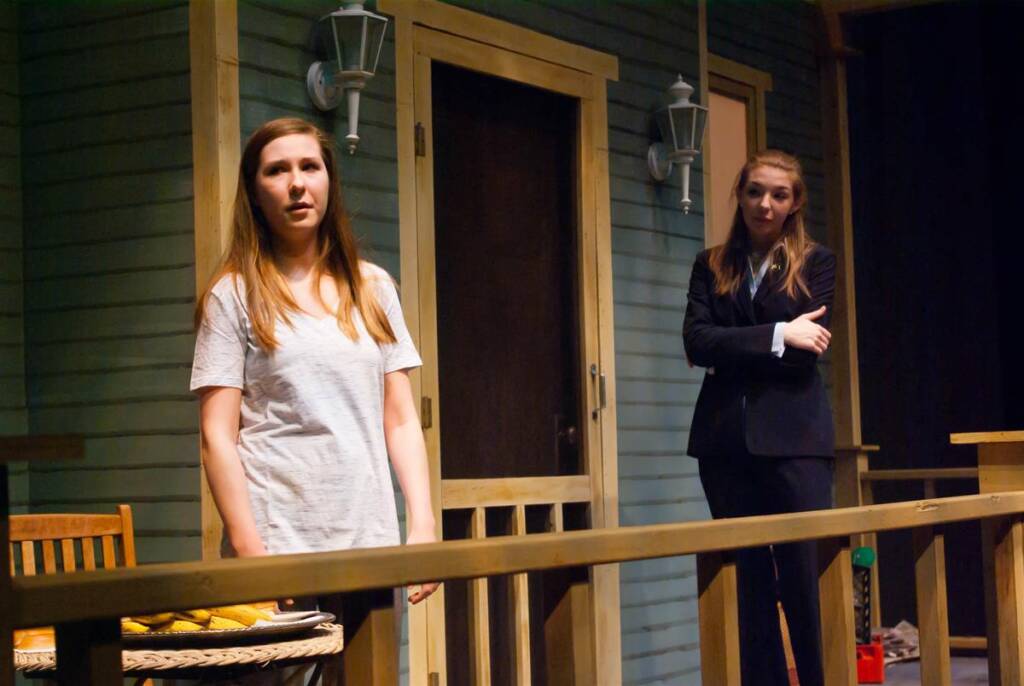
pixel 85 606
pixel 1000 467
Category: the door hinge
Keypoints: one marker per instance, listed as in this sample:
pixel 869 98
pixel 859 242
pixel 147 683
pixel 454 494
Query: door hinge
pixel 426 413
pixel 434 679
pixel 421 140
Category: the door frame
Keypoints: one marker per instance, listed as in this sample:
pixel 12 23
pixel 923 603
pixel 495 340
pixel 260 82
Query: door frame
pixel 499 48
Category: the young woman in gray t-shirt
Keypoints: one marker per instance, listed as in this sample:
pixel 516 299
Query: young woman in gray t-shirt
pixel 301 366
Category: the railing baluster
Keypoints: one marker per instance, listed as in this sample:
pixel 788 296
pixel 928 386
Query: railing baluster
pixel 1008 587
pixel 479 612
pixel 719 619
pixel 835 588
pixel 932 613
pixel 521 608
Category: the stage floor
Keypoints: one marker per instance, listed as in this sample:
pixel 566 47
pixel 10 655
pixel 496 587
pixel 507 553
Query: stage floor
pixel 967 671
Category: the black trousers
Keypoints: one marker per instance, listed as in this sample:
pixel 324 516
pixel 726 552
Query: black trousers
pixel 742 485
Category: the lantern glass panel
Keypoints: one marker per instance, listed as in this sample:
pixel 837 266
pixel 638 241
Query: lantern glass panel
pixel 349 43
pixel 683 123
pixel 376 26
pixel 665 128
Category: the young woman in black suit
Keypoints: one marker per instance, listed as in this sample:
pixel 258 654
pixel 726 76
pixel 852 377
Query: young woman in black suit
pixel 757 318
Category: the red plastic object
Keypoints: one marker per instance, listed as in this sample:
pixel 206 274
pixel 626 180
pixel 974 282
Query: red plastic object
pixel 870 663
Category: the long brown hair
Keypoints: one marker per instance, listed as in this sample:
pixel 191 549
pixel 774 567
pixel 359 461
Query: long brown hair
pixel 251 253
pixel 728 261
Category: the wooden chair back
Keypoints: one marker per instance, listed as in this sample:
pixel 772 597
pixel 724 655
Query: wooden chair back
pixel 79 537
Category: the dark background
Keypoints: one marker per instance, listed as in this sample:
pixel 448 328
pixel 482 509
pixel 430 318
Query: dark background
pixel 938 201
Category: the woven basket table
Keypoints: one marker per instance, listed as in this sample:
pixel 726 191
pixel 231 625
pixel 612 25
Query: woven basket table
pixel 323 641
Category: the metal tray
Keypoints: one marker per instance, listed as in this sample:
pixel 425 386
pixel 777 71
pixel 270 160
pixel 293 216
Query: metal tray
pixel 284 626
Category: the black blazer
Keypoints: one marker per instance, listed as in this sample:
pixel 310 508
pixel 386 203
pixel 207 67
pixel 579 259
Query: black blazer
pixel 777 405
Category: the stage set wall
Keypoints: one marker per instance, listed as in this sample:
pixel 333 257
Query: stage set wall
pixel 107 258
pixel 108 284
pixel 13 412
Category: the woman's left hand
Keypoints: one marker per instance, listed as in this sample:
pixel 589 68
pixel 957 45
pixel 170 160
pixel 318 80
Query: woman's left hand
pixel 424 591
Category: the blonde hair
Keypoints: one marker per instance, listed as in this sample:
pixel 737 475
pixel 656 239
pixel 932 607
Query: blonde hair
pixel 250 255
pixel 728 261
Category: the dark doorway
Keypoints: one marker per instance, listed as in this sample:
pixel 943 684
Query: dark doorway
pixel 505 237
pixel 505 187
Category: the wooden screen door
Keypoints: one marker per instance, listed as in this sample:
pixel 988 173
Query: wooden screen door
pixel 737 128
pixel 514 325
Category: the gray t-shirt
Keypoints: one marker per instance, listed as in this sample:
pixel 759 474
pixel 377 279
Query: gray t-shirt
pixel 312 427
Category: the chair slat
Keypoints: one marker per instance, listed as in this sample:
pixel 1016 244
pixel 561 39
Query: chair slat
pixel 109 557
pixel 88 554
pixel 127 534
pixel 28 558
pixel 49 557
pixel 67 553
pixel 12 558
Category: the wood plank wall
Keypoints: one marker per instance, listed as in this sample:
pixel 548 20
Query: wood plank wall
pixel 109 284
pixel 13 413
pixel 780 38
pixel 653 246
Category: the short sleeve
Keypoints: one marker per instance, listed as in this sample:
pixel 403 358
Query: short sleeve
pixel 221 341
pixel 402 353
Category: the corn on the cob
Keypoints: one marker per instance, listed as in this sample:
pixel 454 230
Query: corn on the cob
pixel 218 623
pixel 244 614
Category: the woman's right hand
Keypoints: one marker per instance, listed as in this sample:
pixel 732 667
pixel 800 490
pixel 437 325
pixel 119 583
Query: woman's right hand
pixel 804 334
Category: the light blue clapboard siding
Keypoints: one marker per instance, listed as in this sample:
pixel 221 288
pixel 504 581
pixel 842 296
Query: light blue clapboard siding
pixel 13 412
pixel 109 279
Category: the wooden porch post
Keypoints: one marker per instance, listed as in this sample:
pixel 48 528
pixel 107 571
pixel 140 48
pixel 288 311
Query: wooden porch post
pixel 371 652
pixel 6 595
pixel 89 653
pixel 1008 577
pixel 216 142
pixel 1000 468
pixel 835 586
pixel 932 612
pixel 719 619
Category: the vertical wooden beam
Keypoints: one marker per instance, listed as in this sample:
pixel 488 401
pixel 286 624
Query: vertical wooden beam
pixel 604 592
pixel 835 587
pixel 719 619
pixel 420 615
pixel 371 653
pixel 932 612
pixel 420 239
pixel 6 593
pixel 521 608
pixel 836 140
pixel 871 540
pixel 1008 587
pixel 216 140
pixel 479 613
pixel 1000 468
pixel 569 640
pixel 703 96
pixel 89 653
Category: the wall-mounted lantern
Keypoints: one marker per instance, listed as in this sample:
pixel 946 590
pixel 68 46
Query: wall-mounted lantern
pixel 682 130
pixel 355 38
